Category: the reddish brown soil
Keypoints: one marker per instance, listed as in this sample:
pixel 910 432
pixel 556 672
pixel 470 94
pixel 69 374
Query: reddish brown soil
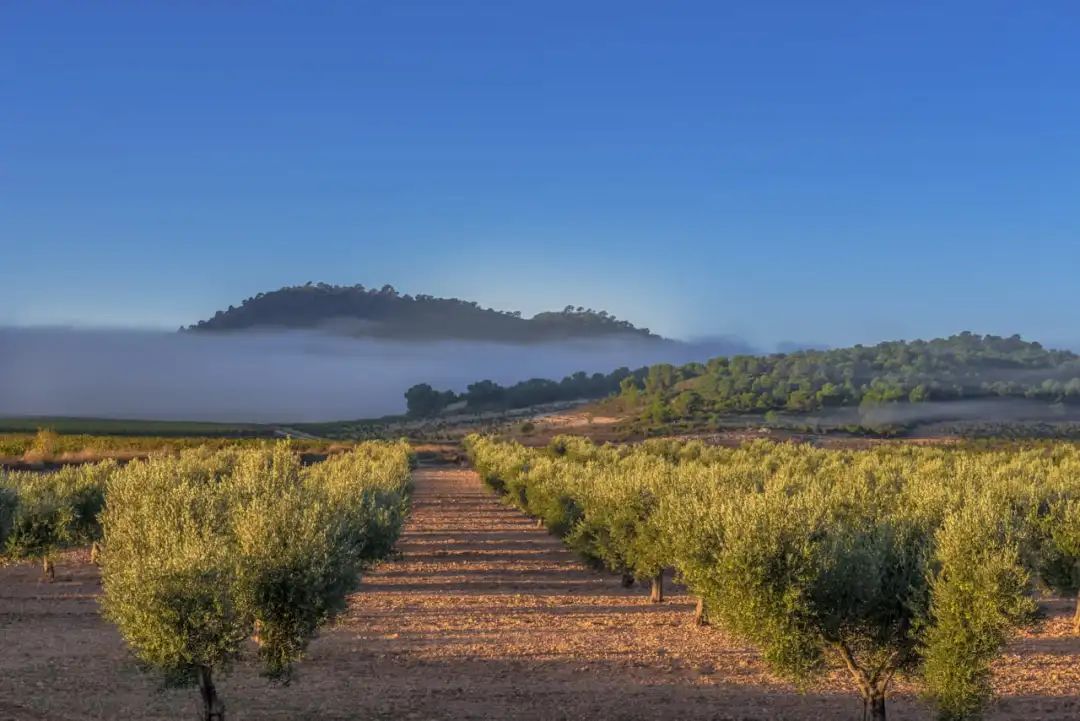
pixel 483 617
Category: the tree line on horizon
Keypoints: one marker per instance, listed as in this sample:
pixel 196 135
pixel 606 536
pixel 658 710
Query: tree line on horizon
pixel 424 401
pixel 965 366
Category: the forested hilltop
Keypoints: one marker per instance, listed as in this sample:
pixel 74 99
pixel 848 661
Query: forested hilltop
pixel 385 313
pixel 878 382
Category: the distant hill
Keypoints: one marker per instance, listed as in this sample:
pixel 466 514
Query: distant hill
pixel 385 313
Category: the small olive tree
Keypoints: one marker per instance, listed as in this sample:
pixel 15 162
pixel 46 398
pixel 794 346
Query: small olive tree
pixel 1057 559
pixel 804 583
pixel 847 571
pixel 979 595
pixel 169 573
pixel 617 525
pixel 297 566
pixel 202 552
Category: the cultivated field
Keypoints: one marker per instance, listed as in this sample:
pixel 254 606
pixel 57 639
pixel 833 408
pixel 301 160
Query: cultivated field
pixel 483 616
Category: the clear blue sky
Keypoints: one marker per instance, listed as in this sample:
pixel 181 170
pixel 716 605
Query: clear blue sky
pixel 812 171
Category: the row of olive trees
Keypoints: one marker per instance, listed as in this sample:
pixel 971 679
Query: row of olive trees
pixel 902 560
pixel 43 513
pixel 202 552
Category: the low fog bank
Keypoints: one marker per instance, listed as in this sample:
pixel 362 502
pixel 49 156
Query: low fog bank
pixel 288 376
pixel 984 410
pixel 975 410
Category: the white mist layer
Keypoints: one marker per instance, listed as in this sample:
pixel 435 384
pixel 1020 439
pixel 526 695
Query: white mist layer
pixel 277 377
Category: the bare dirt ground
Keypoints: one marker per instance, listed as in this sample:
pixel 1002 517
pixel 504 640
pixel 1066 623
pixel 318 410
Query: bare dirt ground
pixel 483 616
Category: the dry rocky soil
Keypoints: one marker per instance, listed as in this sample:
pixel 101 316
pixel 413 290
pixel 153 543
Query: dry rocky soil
pixel 483 616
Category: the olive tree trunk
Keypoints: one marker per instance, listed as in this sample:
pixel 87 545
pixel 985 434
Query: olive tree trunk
pixel 48 570
pixel 1076 615
pixel 872 686
pixel 876 705
pixel 213 709
pixel 699 613
pixel 656 595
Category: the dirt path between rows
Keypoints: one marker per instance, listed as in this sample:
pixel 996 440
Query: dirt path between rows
pixel 483 616
pixel 486 616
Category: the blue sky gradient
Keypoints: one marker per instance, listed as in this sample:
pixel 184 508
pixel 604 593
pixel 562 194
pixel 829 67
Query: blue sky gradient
pixel 828 172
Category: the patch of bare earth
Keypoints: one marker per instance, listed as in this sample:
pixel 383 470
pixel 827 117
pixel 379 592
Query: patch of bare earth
pixel 483 616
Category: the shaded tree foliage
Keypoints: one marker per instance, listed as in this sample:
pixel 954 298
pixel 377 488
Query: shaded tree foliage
pixel 423 400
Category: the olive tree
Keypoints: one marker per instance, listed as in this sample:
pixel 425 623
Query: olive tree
pixel 804 582
pixel 845 571
pixel 617 526
pixel 304 539
pixel 1057 542
pixel 201 554
pixel 169 573
pixel 369 491
pixel 979 594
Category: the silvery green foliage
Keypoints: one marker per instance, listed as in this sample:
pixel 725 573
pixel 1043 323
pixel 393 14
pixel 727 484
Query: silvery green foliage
pixel 44 512
pixel 204 550
pixel 898 559
pixel 169 566
pixel 978 597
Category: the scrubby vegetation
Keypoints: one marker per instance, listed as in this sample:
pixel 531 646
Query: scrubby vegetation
pixel 206 549
pixel 898 560
pixel 385 313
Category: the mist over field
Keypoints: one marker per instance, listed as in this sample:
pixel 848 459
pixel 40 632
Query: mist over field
pixel 978 410
pixel 279 377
